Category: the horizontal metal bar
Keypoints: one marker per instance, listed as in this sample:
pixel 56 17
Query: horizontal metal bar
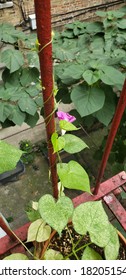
pixel 105 188
pixel 116 208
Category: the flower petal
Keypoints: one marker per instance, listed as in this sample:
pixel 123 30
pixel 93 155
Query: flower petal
pixel 65 116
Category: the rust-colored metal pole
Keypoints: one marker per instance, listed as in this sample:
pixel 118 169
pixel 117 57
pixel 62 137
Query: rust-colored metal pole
pixel 43 21
pixel 114 127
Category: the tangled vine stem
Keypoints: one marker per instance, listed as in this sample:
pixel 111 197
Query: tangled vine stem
pixel 43 21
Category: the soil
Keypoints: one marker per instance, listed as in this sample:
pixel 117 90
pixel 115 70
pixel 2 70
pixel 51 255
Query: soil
pixel 64 245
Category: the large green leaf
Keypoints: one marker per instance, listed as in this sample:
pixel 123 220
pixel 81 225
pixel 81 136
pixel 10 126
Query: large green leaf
pixel 8 34
pixel 105 115
pixel 27 104
pixel 122 24
pixel 32 120
pixel 9 156
pixel 111 76
pixel 56 213
pixel 73 176
pixel 73 71
pixel 16 256
pixel 2 117
pixel 111 250
pixel 87 100
pixel 90 217
pixel 90 254
pixel 65 125
pixel 16 116
pixel 91 77
pixel 73 144
pixel 13 59
pixel 58 142
pixel 51 254
pixel 38 231
pixel 94 27
pixel 29 75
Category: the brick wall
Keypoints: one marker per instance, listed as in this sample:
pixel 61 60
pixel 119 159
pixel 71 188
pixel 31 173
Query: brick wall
pixel 63 11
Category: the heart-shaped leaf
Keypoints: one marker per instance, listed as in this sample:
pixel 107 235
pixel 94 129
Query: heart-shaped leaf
pixel 87 100
pixel 9 156
pixel 13 59
pixel 56 213
pixel 90 254
pixel 73 144
pixel 112 248
pixel 53 255
pixel 73 176
pixel 67 125
pixel 58 142
pixel 39 231
pixel 90 217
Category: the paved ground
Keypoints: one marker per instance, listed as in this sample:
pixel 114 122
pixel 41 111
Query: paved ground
pixel 15 196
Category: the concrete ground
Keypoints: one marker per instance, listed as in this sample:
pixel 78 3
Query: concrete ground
pixel 15 196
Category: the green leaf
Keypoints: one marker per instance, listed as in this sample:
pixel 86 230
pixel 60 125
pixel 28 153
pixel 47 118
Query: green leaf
pixel 38 231
pixel 2 117
pixel 16 256
pixel 9 156
pixel 65 125
pixel 73 71
pixel 111 76
pixel 101 14
pixel 51 254
pixel 91 77
pixel 58 142
pixel 90 254
pixel 32 120
pixel 16 116
pixel 73 144
pixel 121 24
pixel 111 250
pixel 13 59
pixel 105 114
pixel 90 217
pixel 56 213
pixel 87 100
pixel 29 75
pixel 73 176
pixel 33 59
pixel 27 104
pixel 94 27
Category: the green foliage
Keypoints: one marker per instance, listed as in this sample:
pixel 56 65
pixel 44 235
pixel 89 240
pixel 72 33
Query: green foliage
pixel 73 176
pixel 99 60
pixel 9 156
pixel 38 231
pixel 56 214
pixel 90 254
pixel 20 93
pixel 16 256
pixel 51 254
pixel 87 218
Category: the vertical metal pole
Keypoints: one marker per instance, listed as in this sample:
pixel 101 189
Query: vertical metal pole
pixel 114 127
pixel 43 21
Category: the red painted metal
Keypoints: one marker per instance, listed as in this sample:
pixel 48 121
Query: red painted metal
pixel 7 245
pixel 114 127
pixel 105 188
pixel 116 208
pixel 43 20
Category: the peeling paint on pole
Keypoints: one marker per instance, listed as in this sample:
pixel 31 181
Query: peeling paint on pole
pixel 43 21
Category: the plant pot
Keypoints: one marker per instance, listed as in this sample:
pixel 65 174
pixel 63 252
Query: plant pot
pixel 8 246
